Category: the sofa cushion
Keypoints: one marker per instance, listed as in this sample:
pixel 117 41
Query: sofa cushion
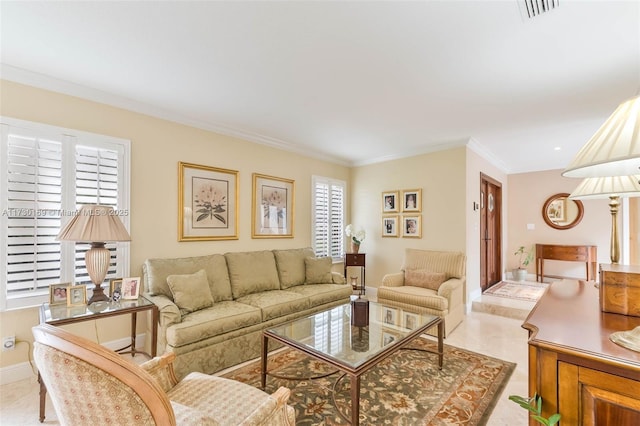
pixel 414 296
pixel 291 268
pixel 220 318
pixel 318 270
pixel 252 272
pixel 156 272
pixel 190 291
pixel 424 278
pixel 276 303
pixel 319 294
pixel 451 263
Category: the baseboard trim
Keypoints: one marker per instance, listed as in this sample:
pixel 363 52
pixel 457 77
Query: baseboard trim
pixel 24 370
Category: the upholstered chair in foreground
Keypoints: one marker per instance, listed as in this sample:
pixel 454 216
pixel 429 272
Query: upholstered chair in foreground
pixel 92 385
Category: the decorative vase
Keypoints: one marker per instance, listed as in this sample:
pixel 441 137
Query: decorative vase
pixel 355 248
pixel 519 274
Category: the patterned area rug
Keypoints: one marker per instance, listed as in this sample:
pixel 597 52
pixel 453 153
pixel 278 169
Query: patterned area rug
pixel 517 290
pixel 405 389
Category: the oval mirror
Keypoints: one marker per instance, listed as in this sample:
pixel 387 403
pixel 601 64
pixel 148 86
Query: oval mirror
pixel 560 212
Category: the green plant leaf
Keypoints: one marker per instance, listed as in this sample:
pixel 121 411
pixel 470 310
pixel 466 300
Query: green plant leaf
pixel 554 419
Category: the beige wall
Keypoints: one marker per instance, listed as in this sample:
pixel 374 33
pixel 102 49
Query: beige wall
pixel 156 147
pixel 527 195
pixel 441 176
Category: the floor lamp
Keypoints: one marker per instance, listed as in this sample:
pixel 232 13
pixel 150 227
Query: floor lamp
pixel 614 188
pixel 97 225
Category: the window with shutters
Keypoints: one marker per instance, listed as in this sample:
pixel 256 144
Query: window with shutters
pixel 46 175
pixel 328 214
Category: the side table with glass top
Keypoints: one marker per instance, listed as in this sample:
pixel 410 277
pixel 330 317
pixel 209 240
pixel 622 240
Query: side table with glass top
pixel 61 315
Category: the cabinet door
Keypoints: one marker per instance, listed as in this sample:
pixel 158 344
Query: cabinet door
pixel 595 398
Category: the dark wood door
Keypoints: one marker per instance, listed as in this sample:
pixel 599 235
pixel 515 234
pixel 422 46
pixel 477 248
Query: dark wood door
pixel 490 231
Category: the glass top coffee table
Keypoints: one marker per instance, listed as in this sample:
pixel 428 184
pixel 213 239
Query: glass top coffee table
pixel 330 337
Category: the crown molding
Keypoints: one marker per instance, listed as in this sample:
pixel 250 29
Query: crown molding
pixel 485 153
pixel 42 81
pixel 411 153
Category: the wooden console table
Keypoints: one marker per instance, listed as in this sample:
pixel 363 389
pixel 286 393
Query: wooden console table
pixel 573 365
pixel 356 259
pixel 586 254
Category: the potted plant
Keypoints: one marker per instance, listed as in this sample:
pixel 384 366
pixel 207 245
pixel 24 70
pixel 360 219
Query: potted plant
pixel 534 406
pixel 356 237
pixel 525 256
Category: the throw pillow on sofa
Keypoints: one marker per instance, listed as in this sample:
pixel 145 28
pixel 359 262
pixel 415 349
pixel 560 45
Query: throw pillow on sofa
pixel 318 270
pixel 424 278
pixel 191 292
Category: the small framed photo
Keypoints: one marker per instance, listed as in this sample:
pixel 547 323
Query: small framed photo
pixel 410 320
pixel 412 226
pixel 130 288
pixel 388 338
pixel 390 202
pixel 77 295
pixel 115 289
pixel 389 315
pixel 390 226
pixel 272 207
pixel 58 293
pixel 412 200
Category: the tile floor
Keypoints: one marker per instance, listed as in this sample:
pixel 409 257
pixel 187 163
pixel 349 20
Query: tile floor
pixel 481 332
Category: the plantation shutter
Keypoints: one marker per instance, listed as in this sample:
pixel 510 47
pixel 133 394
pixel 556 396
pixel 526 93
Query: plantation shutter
pixel 328 217
pixel 32 214
pixel 46 174
pixel 96 183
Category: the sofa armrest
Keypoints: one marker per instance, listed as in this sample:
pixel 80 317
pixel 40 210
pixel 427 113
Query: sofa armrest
pixel 393 280
pixel 337 278
pixel 161 369
pixel 451 287
pixel 263 414
pixel 169 311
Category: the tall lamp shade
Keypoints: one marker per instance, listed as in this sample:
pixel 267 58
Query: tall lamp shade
pixel 612 187
pixel 614 150
pixel 97 225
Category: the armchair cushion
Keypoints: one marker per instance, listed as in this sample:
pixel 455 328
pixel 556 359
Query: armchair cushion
pixel 191 291
pixel 424 278
pixel 318 270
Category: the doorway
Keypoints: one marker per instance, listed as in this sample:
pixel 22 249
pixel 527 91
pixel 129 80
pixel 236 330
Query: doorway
pixel 490 231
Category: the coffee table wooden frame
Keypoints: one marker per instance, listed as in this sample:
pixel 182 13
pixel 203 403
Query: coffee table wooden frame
pixel 353 373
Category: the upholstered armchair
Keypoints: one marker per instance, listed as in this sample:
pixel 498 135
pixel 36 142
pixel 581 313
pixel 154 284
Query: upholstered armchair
pixel 92 385
pixel 430 282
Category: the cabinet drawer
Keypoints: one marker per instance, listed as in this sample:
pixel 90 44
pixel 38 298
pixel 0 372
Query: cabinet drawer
pixel 354 259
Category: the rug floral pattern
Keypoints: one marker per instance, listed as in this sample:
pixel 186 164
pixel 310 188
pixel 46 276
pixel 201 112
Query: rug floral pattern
pixel 405 389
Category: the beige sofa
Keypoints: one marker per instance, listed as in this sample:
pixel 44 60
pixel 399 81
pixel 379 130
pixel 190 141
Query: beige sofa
pixel 430 282
pixel 213 308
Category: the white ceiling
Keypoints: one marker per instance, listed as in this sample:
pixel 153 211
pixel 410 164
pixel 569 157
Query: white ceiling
pixel 354 82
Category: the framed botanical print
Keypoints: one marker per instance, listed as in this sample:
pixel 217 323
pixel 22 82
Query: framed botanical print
pixel 207 203
pixel 390 202
pixel 412 226
pixel 389 226
pixel 412 200
pixel 272 207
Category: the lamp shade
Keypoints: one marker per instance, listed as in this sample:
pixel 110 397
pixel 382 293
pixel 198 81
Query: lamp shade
pixel 94 223
pixel 605 187
pixel 615 148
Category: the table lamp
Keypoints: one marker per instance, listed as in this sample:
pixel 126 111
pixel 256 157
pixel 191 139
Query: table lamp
pixel 97 225
pixel 612 187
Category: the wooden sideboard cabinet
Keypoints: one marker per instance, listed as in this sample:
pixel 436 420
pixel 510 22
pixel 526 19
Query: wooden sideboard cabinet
pixel 586 254
pixel 573 365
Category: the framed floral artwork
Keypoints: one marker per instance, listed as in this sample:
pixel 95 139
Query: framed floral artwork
pixel 207 203
pixel 412 226
pixel 412 200
pixel 130 288
pixel 390 202
pixel 389 226
pixel 272 207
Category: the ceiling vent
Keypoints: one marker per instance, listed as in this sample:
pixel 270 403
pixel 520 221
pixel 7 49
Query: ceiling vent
pixel 538 7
